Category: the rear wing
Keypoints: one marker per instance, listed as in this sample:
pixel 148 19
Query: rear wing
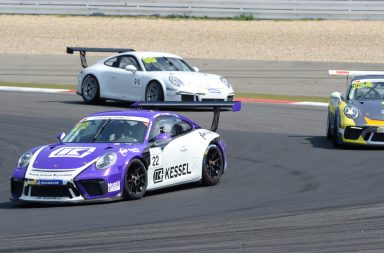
pixel 355 73
pixel 83 51
pixel 216 107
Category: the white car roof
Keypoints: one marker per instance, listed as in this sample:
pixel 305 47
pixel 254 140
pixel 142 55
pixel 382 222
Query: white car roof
pixel 144 54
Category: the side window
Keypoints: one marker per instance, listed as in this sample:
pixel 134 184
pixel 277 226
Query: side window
pixel 113 62
pixel 122 61
pixel 161 125
pixel 125 61
pixel 180 127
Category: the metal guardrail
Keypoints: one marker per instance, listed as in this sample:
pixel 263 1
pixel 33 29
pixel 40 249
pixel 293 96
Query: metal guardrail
pixel 258 9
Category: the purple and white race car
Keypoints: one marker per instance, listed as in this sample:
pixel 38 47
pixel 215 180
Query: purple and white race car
pixel 121 155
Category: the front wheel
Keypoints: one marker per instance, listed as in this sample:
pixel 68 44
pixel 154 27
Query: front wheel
pixel 135 182
pixel 329 130
pixel 90 90
pixel 336 138
pixel 154 92
pixel 213 165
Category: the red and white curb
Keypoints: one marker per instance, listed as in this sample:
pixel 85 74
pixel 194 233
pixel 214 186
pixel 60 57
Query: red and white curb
pixel 245 100
pixel 277 101
pixel 40 90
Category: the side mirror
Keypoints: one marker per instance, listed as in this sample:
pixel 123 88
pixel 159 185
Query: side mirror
pixel 162 138
pixel 60 136
pixel 196 69
pixel 131 68
pixel 336 97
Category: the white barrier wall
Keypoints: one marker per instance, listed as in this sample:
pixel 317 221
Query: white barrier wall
pixel 258 9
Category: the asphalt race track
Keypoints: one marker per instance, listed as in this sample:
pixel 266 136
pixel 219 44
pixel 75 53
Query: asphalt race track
pixel 287 189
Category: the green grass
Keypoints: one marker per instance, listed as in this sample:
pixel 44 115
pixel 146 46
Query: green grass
pixel 239 94
pixel 245 17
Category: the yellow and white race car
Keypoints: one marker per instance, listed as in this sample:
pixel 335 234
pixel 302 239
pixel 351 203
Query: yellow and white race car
pixel 357 115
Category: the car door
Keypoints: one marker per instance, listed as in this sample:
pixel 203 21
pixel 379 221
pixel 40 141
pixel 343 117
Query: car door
pixel 170 161
pixel 122 84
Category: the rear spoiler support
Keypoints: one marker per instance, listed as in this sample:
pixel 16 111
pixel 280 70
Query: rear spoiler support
pixel 84 50
pixel 216 107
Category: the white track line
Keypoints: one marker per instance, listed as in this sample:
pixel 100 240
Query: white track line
pixel 47 90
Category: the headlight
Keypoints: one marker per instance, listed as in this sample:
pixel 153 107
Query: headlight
pixel 24 160
pixel 225 82
pixel 351 111
pixel 106 161
pixel 175 81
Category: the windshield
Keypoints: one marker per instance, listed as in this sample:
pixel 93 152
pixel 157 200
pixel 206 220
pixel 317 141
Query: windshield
pixel 107 130
pixel 165 64
pixel 367 90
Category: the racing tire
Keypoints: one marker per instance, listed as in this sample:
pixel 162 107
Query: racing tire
pixel 213 165
pixel 336 138
pixel 154 92
pixel 329 130
pixel 90 90
pixel 135 180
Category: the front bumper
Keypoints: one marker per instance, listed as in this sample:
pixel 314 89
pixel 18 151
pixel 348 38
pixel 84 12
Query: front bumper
pixel 59 191
pixel 363 135
pixel 190 97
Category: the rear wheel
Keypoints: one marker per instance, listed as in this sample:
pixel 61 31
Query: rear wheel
pixel 154 92
pixel 90 90
pixel 213 165
pixel 135 182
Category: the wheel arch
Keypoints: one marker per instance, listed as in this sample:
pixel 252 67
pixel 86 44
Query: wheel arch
pixel 162 84
pixel 141 158
pixel 87 75
pixel 223 148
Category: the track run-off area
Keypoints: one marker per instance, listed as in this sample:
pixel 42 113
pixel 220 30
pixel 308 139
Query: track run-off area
pixel 287 188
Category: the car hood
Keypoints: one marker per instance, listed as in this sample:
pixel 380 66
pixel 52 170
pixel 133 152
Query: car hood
pixel 75 155
pixel 371 109
pixel 195 79
pixel 200 79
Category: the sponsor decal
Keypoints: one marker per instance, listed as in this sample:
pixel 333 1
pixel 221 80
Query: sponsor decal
pixel 204 134
pixel 156 155
pixel 115 186
pixel 149 60
pixel 217 91
pixel 49 182
pixel 123 151
pixel 158 176
pixel 46 198
pixel 82 125
pixel 134 150
pixel 31 182
pixel 359 85
pixel 118 118
pixel 380 130
pixel 74 152
pixel 171 172
pixel 136 82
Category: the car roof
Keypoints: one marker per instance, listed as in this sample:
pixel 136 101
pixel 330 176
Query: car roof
pixel 367 77
pixel 148 114
pixel 144 54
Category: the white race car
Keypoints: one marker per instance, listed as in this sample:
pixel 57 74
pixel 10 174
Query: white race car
pixel 146 76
